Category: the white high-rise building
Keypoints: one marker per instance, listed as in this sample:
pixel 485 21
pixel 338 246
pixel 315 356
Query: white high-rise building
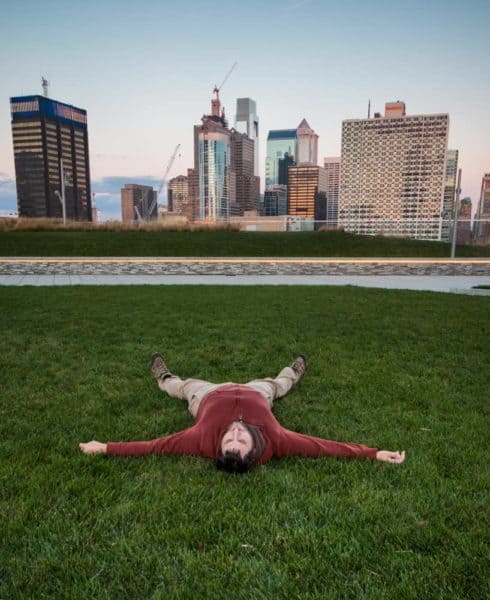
pixel 247 121
pixel 393 173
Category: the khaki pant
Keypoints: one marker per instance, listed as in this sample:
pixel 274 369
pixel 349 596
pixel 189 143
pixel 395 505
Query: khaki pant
pixel 194 390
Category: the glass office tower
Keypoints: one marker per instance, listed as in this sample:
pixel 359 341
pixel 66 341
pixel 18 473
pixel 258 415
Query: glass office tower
pixel 46 132
pixel 279 143
pixel 214 175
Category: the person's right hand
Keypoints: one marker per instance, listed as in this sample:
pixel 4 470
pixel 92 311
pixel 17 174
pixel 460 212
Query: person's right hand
pixel 392 457
pixel 93 447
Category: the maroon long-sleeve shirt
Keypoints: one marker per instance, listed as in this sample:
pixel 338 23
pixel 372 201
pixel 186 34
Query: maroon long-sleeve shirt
pixel 239 403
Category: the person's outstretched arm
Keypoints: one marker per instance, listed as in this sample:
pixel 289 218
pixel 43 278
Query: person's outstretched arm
pixel 298 444
pixel 182 442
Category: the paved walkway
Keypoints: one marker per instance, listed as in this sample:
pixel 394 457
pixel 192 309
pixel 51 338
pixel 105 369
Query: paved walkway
pixel 441 283
pixel 444 275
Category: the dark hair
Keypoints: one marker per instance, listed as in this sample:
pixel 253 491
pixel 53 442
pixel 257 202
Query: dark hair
pixel 234 463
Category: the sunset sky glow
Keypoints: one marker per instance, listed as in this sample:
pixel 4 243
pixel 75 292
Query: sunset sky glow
pixel 145 71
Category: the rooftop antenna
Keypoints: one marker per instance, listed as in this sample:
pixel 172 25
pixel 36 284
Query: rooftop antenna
pixel 45 83
pixel 369 108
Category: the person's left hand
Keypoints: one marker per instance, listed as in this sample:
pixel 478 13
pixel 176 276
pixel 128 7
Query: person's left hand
pixel 392 457
pixel 93 447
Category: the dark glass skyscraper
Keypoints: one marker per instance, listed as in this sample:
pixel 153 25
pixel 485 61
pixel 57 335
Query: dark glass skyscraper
pixel 46 132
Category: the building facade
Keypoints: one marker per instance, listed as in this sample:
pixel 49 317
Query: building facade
pixel 463 232
pixel 393 174
pixel 331 164
pixel 212 158
pixel 279 143
pixel 138 203
pixel 307 192
pixel 276 201
pixel 48 137
pixel 178 194
pixel 247 121
pixel 482 217
pixel 307 145
pixel 246 184
pixel 283 166
pixel 449 200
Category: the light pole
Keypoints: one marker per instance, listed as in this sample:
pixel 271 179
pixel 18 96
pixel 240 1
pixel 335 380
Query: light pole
pixel 456 215
pixel 62 195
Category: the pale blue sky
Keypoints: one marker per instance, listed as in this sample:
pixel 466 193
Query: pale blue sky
pixel 145 71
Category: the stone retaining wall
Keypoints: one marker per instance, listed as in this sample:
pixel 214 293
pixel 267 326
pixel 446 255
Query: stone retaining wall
pixel 241 267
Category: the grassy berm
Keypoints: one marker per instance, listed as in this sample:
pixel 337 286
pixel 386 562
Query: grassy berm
pixel 392 369
pixel 221 244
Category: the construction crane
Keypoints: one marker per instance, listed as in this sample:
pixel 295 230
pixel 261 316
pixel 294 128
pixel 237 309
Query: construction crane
pixel 218 89
pixel 148 211
pixel 215 102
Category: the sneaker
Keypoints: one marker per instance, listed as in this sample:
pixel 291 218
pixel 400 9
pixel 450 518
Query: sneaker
pixel 299 366
pixel 158 367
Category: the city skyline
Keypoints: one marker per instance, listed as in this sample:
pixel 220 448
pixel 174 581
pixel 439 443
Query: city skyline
pixel 143 97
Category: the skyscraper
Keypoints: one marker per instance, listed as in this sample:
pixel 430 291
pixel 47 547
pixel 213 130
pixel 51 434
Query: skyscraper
pixel 247 121
pixel 46 134
pixel 332 169
pixel 138 202
pixel 449 193
pixel 307 145
pixel 247 192
pixel 212 164
pixel 279 143
pixel 306 191
pixel 482 217
pixel 392 173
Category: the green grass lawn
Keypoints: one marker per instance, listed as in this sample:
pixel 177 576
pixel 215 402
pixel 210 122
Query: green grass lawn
pixel 392 369
pixel 220 243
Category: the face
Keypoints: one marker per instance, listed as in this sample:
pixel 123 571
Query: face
pixel 237 438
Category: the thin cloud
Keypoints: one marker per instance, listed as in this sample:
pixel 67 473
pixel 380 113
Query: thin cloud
pixel 298 4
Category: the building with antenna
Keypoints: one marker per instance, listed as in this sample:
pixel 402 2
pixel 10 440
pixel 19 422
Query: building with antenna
pixel 212 156
pixel 50 139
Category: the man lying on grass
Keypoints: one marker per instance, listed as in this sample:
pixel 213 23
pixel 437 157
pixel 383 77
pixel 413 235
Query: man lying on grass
pixel 235 426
